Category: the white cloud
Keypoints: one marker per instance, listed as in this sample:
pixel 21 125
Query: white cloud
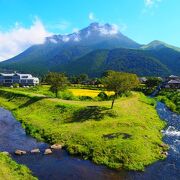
pixel 62 25
pixel 20 38
pixel 91 16
pixel 53 41
pixel 114 29
pixel 65 38
pixel 151 3
pixel 75 30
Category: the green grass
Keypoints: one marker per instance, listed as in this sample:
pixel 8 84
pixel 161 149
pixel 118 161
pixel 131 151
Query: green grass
pixel 171 98
pixel 10 170
pixel 126 137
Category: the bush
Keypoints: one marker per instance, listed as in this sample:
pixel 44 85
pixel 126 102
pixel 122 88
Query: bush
pixel 85 98
pixel 15 85
pixel 67 95
pixel 103 96
pixel 168 103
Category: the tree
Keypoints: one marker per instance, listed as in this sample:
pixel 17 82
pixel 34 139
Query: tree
pixel 83 77
pixel 58 82
pixel 153 81
pixel 119 82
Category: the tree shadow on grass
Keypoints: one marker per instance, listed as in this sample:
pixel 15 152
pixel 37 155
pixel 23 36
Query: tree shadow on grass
pixel 116 135
pixel 31 101
pixel 92 113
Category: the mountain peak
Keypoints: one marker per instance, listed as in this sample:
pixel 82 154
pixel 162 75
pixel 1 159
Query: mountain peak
pixel 157 45
pixel 94 24
pixel 104 35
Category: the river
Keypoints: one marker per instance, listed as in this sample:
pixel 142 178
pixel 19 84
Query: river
pixel 60 165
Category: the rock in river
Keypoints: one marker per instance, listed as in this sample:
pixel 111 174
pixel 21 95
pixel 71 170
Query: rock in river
pixel 35 151
pixel 56 146
pixel 20 152
pixel 48 151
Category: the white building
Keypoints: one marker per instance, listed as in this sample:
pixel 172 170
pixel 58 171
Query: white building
pixel 21 79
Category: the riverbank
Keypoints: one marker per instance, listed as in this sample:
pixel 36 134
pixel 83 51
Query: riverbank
pixel 9 169
pixel 126 137
pixel 171 98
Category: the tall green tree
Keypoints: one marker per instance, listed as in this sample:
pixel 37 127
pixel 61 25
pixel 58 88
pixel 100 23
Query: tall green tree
pixel 58 82
pixel 119 82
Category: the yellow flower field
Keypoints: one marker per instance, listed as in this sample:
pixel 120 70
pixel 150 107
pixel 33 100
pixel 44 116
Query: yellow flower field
pixel 88 92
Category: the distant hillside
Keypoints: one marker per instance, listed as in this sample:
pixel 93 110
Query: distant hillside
pixel 157 45
pixel 135 61
pixel 169 57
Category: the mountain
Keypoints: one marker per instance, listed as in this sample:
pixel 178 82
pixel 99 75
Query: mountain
pixel 158 45
pixel 94 49
pixel 128 60
pixel 59 50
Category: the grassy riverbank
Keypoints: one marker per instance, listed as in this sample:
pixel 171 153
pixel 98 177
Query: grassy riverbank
pixel 10 170
pixel 126 137
pixel 171 98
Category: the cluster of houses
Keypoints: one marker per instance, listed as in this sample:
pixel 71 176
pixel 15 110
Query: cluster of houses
pixel 169 82
pixel 172 82
pixel 17 78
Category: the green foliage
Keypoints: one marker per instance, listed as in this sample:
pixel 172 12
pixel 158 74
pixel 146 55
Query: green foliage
pixel 144 89
pixel 67 95
pixel 10 170
pixel 103 96
pixel 78 79
pixel 153 82
pixel 119 83
pixel 16 85
pixel 171 98
pixel 85 98
pixel 58 82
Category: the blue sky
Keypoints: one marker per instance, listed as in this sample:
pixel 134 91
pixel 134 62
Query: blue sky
pixel 27 22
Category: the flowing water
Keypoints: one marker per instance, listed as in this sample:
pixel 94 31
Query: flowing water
pixel 60 165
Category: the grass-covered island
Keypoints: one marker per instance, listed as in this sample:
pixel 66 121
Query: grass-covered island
pixel 10 170
pixel 127 136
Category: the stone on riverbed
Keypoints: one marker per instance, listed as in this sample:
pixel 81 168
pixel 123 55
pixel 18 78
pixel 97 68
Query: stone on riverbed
pixel 56 146
pixel 35 151
pixel 20 152
pixel 47 151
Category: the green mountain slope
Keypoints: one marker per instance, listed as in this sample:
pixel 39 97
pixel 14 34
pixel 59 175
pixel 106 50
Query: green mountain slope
pixel 135 61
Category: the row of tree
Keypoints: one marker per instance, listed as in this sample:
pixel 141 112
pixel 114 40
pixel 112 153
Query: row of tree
pixel 118 82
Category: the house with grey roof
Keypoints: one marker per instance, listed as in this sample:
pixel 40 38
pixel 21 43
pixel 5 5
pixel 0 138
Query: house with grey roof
pixel 173 82
pixel 17 78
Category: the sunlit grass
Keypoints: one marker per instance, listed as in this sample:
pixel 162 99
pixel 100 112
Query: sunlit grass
pixel 10 170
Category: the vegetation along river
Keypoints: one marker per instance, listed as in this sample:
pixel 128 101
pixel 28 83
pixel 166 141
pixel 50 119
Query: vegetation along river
pixel 60 165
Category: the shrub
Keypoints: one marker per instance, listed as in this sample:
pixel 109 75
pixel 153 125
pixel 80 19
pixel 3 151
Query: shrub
pixel 67 95
pixel 103 96
pixel 15 85
pixel 85 98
